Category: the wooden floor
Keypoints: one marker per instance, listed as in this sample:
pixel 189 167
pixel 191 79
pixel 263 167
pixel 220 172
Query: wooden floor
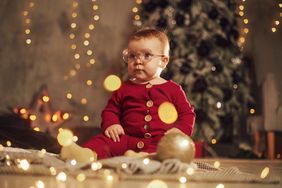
pixel 251 166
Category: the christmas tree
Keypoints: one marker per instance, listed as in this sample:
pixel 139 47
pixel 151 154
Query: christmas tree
pixel 206 60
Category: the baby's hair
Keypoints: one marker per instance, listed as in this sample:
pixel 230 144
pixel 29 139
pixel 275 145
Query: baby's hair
pixel 151 33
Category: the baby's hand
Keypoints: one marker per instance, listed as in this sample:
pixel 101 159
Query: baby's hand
pixel 173 130
pixel 114 131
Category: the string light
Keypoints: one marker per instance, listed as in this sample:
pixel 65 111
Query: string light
pixel 276 21
pixel 245 29
pixel 27 21
pixel 81 48
pixel 135 10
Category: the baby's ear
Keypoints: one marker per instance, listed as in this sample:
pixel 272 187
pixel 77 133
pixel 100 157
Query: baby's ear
pixel 165 61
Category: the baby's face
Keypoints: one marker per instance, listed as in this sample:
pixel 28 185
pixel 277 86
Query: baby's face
pixel 146 59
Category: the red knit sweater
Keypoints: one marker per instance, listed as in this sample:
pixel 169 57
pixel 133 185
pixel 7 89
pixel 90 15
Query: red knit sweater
pixel 129 107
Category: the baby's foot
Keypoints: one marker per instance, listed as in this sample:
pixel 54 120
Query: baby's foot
pixel 78 153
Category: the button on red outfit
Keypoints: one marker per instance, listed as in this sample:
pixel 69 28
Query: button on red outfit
pixel 128 107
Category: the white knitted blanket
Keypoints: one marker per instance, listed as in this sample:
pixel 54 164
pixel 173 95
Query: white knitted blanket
pixel 126 168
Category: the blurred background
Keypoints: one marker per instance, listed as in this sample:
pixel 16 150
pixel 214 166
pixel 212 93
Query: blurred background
pixel 226 54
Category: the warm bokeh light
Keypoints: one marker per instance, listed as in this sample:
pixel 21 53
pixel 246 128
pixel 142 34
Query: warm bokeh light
pixel 220 185
pixel 85 118
pixel 264 172
pixel 252 111
pixel 65 116
pixel 96 17
pixel 39 184
pixel 69 95
pixel 32 117
pixel 23 111
pixel 45 98
pixel 157 184
pixel 24 164
pixel 112 83
pixel 61 177
pixel 91 27
pixel 213 141
pixel 65 137
pixel 9 143
pixel 83 101
pixel 89 82
pixel 182 179
pixel 80 177
pixel 216 164
pixel 167 113
pixel 53 171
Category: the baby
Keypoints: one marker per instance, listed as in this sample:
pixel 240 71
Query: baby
pixel 130 120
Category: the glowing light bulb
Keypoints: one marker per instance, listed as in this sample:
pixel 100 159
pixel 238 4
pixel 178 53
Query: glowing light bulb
pixel 246 30
pixel 74 14
pixel 95 7
pixel 72 36
pixel 65 137
pixel 89 82
pixel 28 41
pixel 73 25
pixel 45 98
pixel 85 118
pixel 167 113
pixel 32 117
pixel 53 171
pixel 146 161
pixel 61 177
pixel 134 9
pixel 220 186
pixel 27 31
pixel 55 117
pixel 83 101
pixel 264 172
pixel 216 164
pixel 86 43
pixel 9 143
pixel 65 116
pixel 182 179
pixel 81 177
pixel 89 52
pixel 24 164
pixel 213 141
pixel 92 61
pixel 157 184
pixel 69 95
pixel 91 27
pixel 73 46
pixel 190 171
pixel 36 129
pixel 273 29
pixel 252 111
pixel 39 184
pixel 96 17
pixel 112 83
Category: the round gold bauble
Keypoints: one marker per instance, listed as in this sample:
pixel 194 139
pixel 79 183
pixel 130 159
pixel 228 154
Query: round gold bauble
pixel 176 145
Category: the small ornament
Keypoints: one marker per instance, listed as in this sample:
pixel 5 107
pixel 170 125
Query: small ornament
pixel 176 145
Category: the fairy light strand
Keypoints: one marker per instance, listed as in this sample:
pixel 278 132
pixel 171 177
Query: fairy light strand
pixel 82 50
pixel 245 23
pixel 277 21
pixel 27 21
pixel 136 16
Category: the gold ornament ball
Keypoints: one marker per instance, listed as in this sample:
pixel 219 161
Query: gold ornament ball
pixel 176 145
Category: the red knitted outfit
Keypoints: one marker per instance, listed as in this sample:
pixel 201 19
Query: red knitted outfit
pixel 135 107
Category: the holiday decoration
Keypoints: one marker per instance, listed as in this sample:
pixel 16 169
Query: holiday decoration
pixel 206 60
pixel 41 114
pixel 70 150
pixel 176 145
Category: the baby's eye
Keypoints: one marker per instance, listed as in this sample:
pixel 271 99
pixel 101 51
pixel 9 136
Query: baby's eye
pixel 148 55
pixel 131 56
